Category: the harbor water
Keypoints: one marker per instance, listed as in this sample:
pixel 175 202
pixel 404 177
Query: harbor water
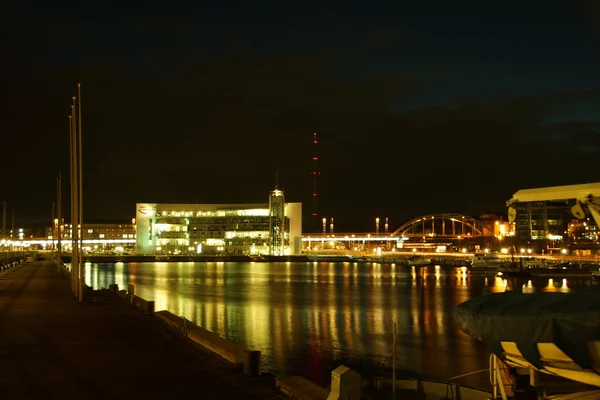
pixel 308 318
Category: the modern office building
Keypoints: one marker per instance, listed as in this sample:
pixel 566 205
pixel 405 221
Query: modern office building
pixel 543 220
pixel 273 228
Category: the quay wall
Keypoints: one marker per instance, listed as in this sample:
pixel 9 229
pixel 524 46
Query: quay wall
pixel 249 361
pixel 444 259
pixel 11 259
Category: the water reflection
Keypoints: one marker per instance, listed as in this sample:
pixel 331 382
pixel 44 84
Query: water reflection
pixel 307 318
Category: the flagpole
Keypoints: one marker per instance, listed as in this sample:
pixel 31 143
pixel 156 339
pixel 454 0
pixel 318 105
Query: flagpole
pixel 71 201
pixel 59 215
pixel 74 204
pixel 80 204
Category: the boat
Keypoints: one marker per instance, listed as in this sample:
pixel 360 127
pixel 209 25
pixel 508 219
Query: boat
pixel 330 258
pixel 257 257
pixel 377 388
pixel 487 261
pixel 537 263
pixel 596 275
pixel 552 337
pixel 418 261
pixel 513 269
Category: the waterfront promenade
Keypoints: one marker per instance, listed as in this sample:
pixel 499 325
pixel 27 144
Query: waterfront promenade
pixel 53 347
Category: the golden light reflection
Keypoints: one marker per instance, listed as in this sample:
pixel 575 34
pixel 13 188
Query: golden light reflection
pixel 462 280
pixel 331 273
pixel 257 325
pixel 528 287
pixel 161 299
pixel 119 277
pixel 335 334
pixel 349 328
pixel 344 311
pixel 462 295
pixel 560 286
pixel 439 319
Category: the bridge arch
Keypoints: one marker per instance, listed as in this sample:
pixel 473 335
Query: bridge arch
pixel 444 225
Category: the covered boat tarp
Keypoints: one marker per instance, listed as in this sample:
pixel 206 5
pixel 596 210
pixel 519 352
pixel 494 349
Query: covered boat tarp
pixel 569 320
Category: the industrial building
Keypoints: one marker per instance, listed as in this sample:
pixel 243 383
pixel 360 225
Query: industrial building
pixel 550 216
pixel 273 228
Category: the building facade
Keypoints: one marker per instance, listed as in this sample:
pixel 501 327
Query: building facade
pixel 543 220
pixel 554 218
pixel 214 229
pixel 278 223
pixel 119 232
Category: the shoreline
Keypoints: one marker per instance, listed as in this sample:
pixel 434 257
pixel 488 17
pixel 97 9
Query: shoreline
pixel 585 272
pixel 104 347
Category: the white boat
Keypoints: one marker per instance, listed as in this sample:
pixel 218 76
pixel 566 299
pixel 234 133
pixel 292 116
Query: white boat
pixel 556 334
pixel 487 261
pixel 418 261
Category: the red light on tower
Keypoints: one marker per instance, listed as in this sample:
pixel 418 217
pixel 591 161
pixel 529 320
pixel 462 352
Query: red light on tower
pixel 314 174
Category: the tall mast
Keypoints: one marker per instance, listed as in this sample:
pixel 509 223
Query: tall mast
pixel 80 204
pixel 315 173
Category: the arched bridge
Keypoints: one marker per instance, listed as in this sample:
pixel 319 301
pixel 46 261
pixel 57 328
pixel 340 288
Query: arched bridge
pixel 444 225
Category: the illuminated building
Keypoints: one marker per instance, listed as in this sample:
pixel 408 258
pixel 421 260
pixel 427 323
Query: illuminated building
pixel 542 220
pixel 583 231
pixel 543 215
pixel 98 231
pixel 494 225
pixel 277 222
pixel 264 228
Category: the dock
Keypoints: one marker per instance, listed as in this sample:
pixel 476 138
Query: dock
pixel 51 346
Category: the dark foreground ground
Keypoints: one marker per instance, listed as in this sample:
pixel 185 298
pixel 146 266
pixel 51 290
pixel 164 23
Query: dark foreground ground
pixel 53 347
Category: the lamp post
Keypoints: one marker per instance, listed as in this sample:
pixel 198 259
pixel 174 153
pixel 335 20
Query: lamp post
pixel 76 196
pixel 324 233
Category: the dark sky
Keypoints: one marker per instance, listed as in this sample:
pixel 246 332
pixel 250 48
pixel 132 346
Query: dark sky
pixel 421 107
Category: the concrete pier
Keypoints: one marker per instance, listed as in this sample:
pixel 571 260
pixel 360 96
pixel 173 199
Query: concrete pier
pixel 104 348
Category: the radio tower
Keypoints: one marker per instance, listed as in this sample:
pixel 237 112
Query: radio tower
pixel 315 173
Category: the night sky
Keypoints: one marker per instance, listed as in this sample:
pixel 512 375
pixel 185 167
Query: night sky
pixel 421 107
